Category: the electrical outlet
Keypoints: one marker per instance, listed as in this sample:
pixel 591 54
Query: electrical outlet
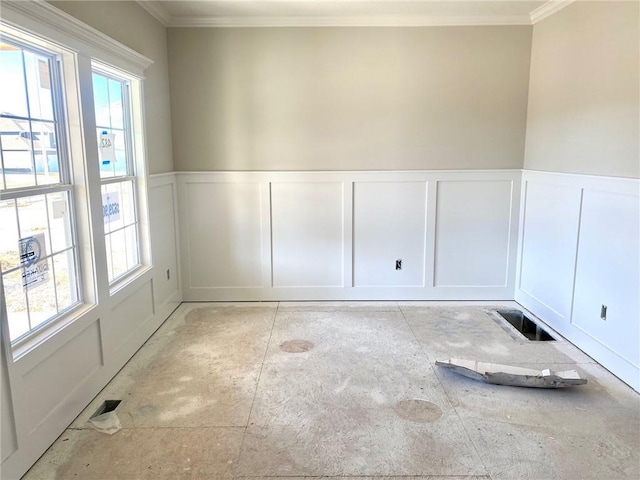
pixel 603 312
pixel 399 264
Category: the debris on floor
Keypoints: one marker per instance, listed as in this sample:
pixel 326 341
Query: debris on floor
pixel 496 374
pixel 106 423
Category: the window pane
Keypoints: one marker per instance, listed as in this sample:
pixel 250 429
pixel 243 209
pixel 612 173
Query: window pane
pixel 39 85
pixel 118 254
pixel 107 166
pixel 41 293
pixel 128 203
pixel 112 163
pixel 37 285
pixel 9 256
pixel 111 125
pixel 32 212
pixel 115 104
pixel 45 152
pixel 101 101
pixel 30 153
pixel 15 298
pixel 131 237
pixel 13 95
pixel 15 136
pixel 112 207
pixel 120 167
pixel 64 266
pixel 60 221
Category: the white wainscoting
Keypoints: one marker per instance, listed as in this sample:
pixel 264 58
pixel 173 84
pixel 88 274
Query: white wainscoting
pixel 473 232
pixel 307 224
pixel 579 250
pixel 337 235
pixel 389 224
pixel 47 387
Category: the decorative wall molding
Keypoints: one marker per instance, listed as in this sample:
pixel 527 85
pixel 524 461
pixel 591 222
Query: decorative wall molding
pixel 45 20
pixel 157 10
pixel 578 250
pixel 160 12
pixel 267 236
pixel 349 21
pixel 548 9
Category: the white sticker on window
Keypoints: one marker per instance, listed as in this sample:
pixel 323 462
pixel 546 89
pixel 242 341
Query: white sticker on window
pixel 107 147
pixel 33 259
pixel 110 207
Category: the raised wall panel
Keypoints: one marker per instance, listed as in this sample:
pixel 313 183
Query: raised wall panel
pixel 8 440
pixel 473 224
pixel 223 235
pixel 55 378
pixel 550 234
pixel 389 224
pixel 307 221
pixel 165 252
pixel 608 272
pixel 580 249
pixel 127 317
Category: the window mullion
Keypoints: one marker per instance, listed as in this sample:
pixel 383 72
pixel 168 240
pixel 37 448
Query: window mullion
pixel 49 257
pixel 24 292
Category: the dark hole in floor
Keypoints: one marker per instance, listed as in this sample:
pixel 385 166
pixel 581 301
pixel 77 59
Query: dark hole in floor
pixel 106 407
pixel 525 325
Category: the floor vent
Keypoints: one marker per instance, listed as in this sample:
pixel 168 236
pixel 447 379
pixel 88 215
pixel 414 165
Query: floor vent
pixel 525 325
pixel 106 407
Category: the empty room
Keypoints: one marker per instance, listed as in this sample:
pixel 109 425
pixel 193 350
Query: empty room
pixel 307 239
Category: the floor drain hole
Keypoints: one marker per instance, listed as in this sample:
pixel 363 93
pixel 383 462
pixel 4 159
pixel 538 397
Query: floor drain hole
pixel 106 407
pixel 419 411
pixel 296 346
pixel 525 325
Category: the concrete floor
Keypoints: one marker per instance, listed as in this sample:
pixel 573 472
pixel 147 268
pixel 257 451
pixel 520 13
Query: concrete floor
pixel 348 390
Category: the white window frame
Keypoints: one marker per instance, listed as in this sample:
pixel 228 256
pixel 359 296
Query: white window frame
pixel 64 185
pixel 40 23
pixel 132 167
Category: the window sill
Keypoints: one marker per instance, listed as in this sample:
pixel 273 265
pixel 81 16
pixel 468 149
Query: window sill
pixel 129 278
pixel 40 336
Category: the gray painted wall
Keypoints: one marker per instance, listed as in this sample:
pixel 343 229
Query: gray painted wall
pixel 349 98
pixel 584 100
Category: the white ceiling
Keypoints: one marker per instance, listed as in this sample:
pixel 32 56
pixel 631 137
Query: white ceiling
pixel 249 13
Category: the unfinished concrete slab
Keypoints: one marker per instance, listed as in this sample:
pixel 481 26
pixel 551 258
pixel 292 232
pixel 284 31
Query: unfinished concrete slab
pixel 454 332
pixel 306 390
pixel 141 453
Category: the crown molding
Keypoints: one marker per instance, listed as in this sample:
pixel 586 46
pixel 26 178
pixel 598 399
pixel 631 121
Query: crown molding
pixel 157 11
pixel 342 21
pixel 548 9
pixel 36 14
pixel 161 13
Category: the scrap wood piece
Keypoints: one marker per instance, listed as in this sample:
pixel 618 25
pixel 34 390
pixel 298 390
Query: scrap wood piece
pixel 496 374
